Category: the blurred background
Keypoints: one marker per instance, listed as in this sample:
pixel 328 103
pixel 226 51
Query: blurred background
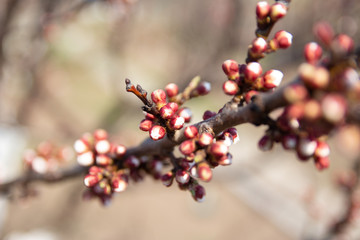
pixel 63 66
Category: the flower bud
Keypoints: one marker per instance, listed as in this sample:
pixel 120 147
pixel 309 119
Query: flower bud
pixel 312 52
pixel 258 46
pixel 182 176
pixel 166 112
pixel 322 163
pixel 312 110
pixel 186 114
pixel 102 146
pixel 277 11
pixel 283 38
pixel 177 123
pixel 157 132
pixel 266 143
pixel 198 193
pixel 231 69
pixel 322 150
pixel 230 87
pixel 289 141
pixel 100 134
pixel 204 172
pixel 249 95
pixel 190 132
pixel 203 88
pixel 94 170
pixel 146 125
pixel 314 77
pixel 306 148
pixel 167 179
pixel 262 9
pixel 173 105
pixel 149 116
pixel 205 139
pixel 324 32
pixel 158 96
pixel 86 158
pixel 81 146
pixel 225 160
pixel 187 147
pixel 103 160
pixel 119 150
pixel 132 162
pixel 208 114
pixel 90 180
pixel 295 93
pixel 119 184
pixel 219 149
pixel 252 71
pixel 343 44
pixel 333 108
pixel 272 79
pixel 171 90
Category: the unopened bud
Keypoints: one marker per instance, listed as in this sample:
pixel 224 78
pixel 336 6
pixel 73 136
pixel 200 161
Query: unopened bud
pixel 252 71
pixel 171 90
pixel 230 87
pixel 205 139
pixel 157 132
pixel 204 172
pixel 146 125
pixel 277 11
pixel 312 52
pixel 177 123
pixel 231 69
pixel 158 96
pixel 187 147
pixel 333 108
pixel 272 79
pixel 190 132
pixel 262 9
pixel 182 176
pixel 258 46
pixel 186 114
pixel 283 38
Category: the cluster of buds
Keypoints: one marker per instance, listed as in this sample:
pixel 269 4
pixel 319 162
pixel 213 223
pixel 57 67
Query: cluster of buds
pixel 46 158
pixel 267 15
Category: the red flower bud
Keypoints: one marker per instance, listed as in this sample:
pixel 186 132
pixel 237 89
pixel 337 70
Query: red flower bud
pixel 204 172
pixel 146 125
pixel 343 44
pixel 266 143
pixel 149 116
pixel 177 123
pixel 158 96
pixel 119 150
pixel 86 158
pixel 182 176
pixel 324 32
pixel 190 132
pixel 171 90
pixel 314 77
pixel 306 148
pixel 205 139
pixel 258 46
pixel 312 52
pixel 208 114
pixel 231 69
pixel 230 87
pixel 322 150
pixel 312 110
pixel 167 179
pixel 81 146
pixel 289 141
pixel 322 163
pixel 132 162
pixel 283 38
pixel 295 93
pixel 272 79
pixel 219 149
pixel 262 9
pixel 203 88
pixel 166 112
pixel 173 105
pixel 100 134
pixel 277 11
pixel 90 180
pixel 119 184
pixel 186 114
pixel 157 132
pixel 249 95
pixel 103 160
pixel 187 147
pixel 225 160
pixel 252 71
pixel 198 193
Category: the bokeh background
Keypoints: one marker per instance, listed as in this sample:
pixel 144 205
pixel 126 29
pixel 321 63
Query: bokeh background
pixel 63 65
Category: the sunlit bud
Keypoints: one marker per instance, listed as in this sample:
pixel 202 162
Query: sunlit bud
pixel 103 160
pixel 102 146
pixel 259 46
pixel 225 160
pixel 198 193
pixel 249 95
pixel 204 172
pixel 272 79
pixel 322 163
pixel 324 32
pixel 205 139
pixel 132 162
pixel 173 105
pixel 295 93
pixel 208 114
pixel 312 52
pixel 146 125
pixel 190 132
pixel 81 146
pixel 182 176
pixel 252 71
pixel 219 149
pixel 262 9
pixel 171 90
pixel 158 96
pixel 186 114
pixel 283 38
pixel 343 44
pixel 203 88
pixel 187 147
pixel 157 132
pixel 119 184
pixel 306 148
pixel 86 158
pixel 277 11
pixel 266 143
pixel 167 179
pixel 333 108
pixel 90 180
pixel 166 112
pixel 100 134
pixel 231 69
pixel 322 150
pixel 177 123
pixel 289 141
pixel 230 87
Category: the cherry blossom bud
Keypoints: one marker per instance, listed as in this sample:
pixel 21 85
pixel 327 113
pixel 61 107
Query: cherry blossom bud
pixel 343 44
pixel 295 93
pixel 312 110
pixel 258 46
pixel 187 147
pixel 333 108
pixel 249 95
pixel 177 123
pixel 90 180
pixel 277 11
pixel 266 143
pixel 119 184
pixel 225 160
pixel 322 150
pixel 230 87
pixel 167 179
pixel 204 172
pixel 132 162
pixel 231 69
pixel 182 176
pixel 205 139
pixel 166 112
pixel 158 96
pixel 149 116
pixel 312 52
pixel 102 146
pixel 289 141
pixel 95 170
pixel 219 149
pixel 103 160
pixel 173 105
pixel 198 193
pixel 86 158
pixel 100 134
pixel 208 114
pixel 186 114
pixel 283 38
pixel 171 90
pixel 157 132
pixel 81 146
pixel 322 163
pixel 272 79
pixel 146 125
pixel 203 88
pixel 252 71
pixel 306 148
pixel 190 132
pixel 314 77
pixel 262 9
pixel 324 32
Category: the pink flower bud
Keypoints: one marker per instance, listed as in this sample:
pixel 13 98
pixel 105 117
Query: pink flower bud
pixel 90 180
pixel 208 114
pixel 158 96
pixel 94 170
pixel 266 143
pixel 171 90
pixel 272 79
pixel 86 158
pixel 230 87
pixel 295 93
pixel 322 163
pixel 204 172
pixel 343 44
pixel 277 11
pixel 103 160
pixel 102 146
pixel 100 134
pixel 182 176
pixel 314 77
pixel 166 112
pixel 186 114
pixel 173 105
pixel 198 193
pixel 132 162
pixel 149 116
pixel 203 88
pixel 283 38
pixel 167 179
pixel 225 160
pixel 324 32
pixel 187 147
pixel 157 132
pixel 262 9
pixel 231 69
pixel 306 148
pixel 219 149
pixel 81 146
pixel 259 46
pixel 252 71
pixel 190 132
pixel 312 110
pixel 312 52
pixel 322 150
pixel 249 95
pixel 177 123
pixel 333 108
pixel 118 150
pixel 205 139
pixel 119 184
pixel 146 125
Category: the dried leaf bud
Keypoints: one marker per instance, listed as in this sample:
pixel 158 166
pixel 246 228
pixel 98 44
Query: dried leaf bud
pixel 343 44
pixel 249 95
pixel 219 149
pixel 186 114
pixel 306 148
pixel 103 160
pixel 277 11
pixel 230 87
pixel 258 46
pixel 187 147
pixel 100 134
pixel 198 193
pixel 157 132
pixel 231 69
pixel 86 158
pixel 283 38
pixel 90 180
pixel 166 112
pixel 208 114
pixel 177 123
pixel 266 143
pixel 146 125
pixel 204 172
pixel 171 90
pixel 252 71
pixel 167 179
pixel 203 88
pixel 81 146
pixel 226 160
pixel 132 162
pixel 272 79
pixel 102 146
pixel 182 176
pixel 190 132
pixel 295 93
pixel 312 52
pixel 158 96
pixel 119 184
pixel 262 9
pixel 205 139
pixel 333 108
pixel 289 141
pixel 322 163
